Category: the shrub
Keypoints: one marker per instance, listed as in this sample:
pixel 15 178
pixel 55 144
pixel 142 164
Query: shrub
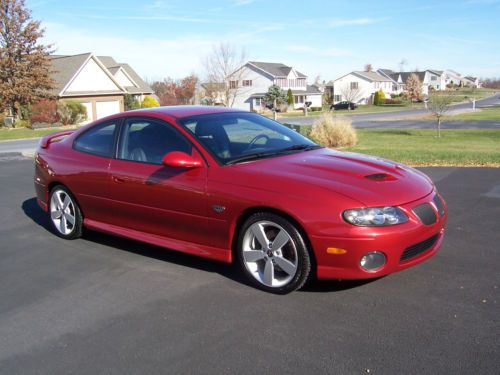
pixel 44 111
pixel 315 109
pixel 331 131
pixel 71 112
pixel 20 123
pixel 379 97
pixel 393 101
pixel 64 113
pixel 130 103
pixel 150 102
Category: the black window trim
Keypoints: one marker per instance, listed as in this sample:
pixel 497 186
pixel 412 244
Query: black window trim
pixel 116 122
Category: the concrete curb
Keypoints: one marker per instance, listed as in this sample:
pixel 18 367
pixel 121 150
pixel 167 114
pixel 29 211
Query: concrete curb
pixel 25 154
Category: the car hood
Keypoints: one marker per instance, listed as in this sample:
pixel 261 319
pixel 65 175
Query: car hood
pixel 369 180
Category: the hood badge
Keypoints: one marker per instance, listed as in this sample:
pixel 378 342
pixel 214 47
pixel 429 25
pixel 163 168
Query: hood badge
pixel 218 208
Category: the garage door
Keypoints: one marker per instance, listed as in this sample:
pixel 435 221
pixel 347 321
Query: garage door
pixel 88 107
pixel 104 109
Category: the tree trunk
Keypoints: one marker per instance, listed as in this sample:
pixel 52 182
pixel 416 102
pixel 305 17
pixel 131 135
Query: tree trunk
pixel 439 128
pixel 275 115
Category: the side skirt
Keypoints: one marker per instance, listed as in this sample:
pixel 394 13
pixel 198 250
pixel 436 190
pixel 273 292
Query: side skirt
pixel 222 255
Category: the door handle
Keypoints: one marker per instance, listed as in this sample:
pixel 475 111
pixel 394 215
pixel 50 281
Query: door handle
pixel 118 180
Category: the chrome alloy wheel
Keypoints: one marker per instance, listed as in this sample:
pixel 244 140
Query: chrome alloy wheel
pixel 62 212
pixel 269 254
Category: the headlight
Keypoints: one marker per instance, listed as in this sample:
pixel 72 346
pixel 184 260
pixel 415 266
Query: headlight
pixel 375 216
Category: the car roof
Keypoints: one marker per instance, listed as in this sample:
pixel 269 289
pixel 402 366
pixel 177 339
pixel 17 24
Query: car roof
pixel 182 111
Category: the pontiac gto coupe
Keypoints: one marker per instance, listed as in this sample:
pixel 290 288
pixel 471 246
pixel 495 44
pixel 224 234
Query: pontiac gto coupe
pixel 235 186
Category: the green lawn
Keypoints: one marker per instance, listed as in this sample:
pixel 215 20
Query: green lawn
pixel 492 113
pixel 20 133
pixel 420 147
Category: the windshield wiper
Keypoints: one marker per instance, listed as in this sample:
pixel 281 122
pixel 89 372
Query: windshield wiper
pixel 260 155
pixel 300 148
pixel 250 157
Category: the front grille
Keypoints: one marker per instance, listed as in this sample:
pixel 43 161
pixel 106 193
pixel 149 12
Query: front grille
pixel 425 213
pixel 419 248
pixel 439 205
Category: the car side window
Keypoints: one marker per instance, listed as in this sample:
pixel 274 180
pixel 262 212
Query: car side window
pixel 98 140
pixel 148 141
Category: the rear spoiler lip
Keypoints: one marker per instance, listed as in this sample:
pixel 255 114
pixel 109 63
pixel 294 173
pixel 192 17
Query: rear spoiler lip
pixel 49 138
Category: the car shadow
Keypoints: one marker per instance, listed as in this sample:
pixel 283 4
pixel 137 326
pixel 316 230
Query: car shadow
pixel 37 215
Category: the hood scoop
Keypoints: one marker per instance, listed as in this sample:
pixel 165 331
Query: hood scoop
pixel 380 177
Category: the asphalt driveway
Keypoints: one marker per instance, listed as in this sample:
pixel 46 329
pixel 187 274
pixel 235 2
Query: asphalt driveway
pixel 103 304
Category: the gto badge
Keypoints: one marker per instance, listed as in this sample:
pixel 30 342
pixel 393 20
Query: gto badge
pixel 218 208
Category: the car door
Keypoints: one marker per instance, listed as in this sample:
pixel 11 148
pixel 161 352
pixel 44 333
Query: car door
pixel 92 151
pixel 150 197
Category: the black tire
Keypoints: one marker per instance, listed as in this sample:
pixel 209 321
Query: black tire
pixel 66 230
pixel 295 250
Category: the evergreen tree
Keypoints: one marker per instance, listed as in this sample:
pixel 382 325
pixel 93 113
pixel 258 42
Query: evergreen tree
pixel 290 97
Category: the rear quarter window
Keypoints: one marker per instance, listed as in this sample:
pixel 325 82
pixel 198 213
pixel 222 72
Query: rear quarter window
pixel 98 140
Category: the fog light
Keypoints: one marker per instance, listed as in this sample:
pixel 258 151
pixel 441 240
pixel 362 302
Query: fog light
pixel 372 261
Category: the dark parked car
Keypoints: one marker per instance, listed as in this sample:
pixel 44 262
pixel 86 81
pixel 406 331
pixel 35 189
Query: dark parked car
pixel 343 105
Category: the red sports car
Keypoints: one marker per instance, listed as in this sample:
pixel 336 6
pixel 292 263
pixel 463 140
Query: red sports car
pixel 235 186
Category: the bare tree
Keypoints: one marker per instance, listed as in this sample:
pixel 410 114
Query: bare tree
pixel 223 69
pixel 350 92
pixel 368 68
pixel 402 64
pixel 439 104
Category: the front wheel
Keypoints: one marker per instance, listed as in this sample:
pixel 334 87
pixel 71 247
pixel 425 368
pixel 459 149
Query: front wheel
pixel 272 253
pixel 65 215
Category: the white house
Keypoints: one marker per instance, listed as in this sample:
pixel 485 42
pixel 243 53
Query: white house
pixel 430 79
pixel 98 82
pixel 253 80
pixel 360 87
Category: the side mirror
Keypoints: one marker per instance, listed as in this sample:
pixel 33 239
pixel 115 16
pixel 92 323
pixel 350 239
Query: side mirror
pixel 179 159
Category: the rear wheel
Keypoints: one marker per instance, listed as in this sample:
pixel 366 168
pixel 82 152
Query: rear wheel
pixel 272 253
pixel 65 215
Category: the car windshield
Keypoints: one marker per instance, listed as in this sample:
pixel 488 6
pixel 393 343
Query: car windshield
pixel 243 136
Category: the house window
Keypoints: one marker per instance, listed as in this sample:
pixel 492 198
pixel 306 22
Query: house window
pixel 299 99
pixel 247 82
pixel 337 98
pixel 258 102
pixel 377 85
pixel 233 84
pixel 354 85
pixel 433 78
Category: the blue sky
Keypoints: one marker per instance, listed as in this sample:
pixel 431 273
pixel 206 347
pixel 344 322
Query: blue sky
pixel 319 38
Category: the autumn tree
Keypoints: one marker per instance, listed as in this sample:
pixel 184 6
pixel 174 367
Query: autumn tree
pixel 350 92
pixel 438 105
pixel 414 87
pixel 176 92
pixel 222 69
pixel 24 63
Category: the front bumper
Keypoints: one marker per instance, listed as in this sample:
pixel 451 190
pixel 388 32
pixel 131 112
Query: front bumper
pixel 414 239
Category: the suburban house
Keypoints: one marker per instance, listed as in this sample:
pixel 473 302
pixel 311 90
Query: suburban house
pixel 430 79
pixel 98 82
pixel 360 87
pixel 253 80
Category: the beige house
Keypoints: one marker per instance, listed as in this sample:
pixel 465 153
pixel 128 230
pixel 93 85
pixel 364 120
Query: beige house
pixel 98 82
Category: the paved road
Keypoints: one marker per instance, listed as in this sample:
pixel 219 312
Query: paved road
pixel 107 305
pixel 391 116
pixel 25 146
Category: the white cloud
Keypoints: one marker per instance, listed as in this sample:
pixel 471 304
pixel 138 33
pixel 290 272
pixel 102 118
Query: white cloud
pixel 151 58
pixel 238 3
pixel 327 52
pixel 354 22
